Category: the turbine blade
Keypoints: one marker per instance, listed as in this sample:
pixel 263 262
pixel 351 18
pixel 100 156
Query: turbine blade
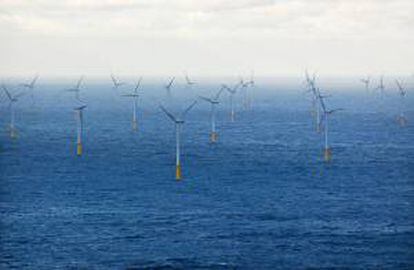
pixel 6 91
pixel 206 99
pixel 219 93
pixel 79 82
pixel 138 84
pixel 189 107
pixel 172 117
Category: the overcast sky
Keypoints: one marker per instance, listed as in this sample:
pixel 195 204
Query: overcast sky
pixel 206 37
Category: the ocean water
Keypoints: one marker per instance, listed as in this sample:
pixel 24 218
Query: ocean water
pixel 261 198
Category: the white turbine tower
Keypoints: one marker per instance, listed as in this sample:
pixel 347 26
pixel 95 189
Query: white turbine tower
pixel 214 101
pixel 134 97
pixel 402 120
pixel 79 128
pixel 76 88
pixel 232 92
pixel 178 121
pixel 12 100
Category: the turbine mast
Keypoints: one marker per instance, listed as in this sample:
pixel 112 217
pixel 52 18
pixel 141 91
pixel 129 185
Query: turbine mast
pixel 178 175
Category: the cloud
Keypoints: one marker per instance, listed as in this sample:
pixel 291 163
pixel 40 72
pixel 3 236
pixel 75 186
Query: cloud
pixel 221 18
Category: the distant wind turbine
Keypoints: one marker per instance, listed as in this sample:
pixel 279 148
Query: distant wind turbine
pixel 366 82
pixel 12 99
pixel 214 101
pixel 178 121
pixel 316 105
pixel 134 97
pixel 326 113
pixel 79 128
pixel 188 81
pixel 168 86
pixel 31 86
pixel 76 89
pixel 402 120
pixel 232 92
pixel 116 82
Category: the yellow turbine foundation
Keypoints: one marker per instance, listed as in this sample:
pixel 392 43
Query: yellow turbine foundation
pixel 328 154
pixel 178 175
pixel 79 149
pixel 213 137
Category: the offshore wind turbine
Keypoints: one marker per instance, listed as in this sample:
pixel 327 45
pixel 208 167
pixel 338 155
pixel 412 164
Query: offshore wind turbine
pixel 76 88
pixel 79 128
pixel 168 87
pixel 316 107
pixel 134 97
pixel 178 121
pixel 13 100
pixel 214 101
pixel 31 85
pixel 366 82
pixel 116 82
pixel 232 92
pixel 326 113
pixel 188 81
pixel 244 85
pixel 402 120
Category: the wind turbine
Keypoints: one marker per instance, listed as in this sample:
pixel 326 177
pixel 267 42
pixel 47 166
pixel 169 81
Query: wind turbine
pixel 366 82
pixel 402 120
pixel 251 83
pixel 116 82
pixel 134 97
pixel 316 107
pixel 79 128
pixel 76 88
pixel 13 100
pixel 232 92
pixel 178 121
pixel 244 85
pixel 214 101
pixel 168 87
pixel 31 86
pixel 188 81
pixel 326 113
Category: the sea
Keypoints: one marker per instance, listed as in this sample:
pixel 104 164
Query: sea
pixel 262 197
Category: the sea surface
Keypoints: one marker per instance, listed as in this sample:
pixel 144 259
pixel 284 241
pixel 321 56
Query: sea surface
pixel 260 198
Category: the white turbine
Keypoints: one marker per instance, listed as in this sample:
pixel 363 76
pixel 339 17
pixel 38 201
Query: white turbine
pixel 116 82
pixel 402 120
pixel 214 101
pixel 79 128
pixel 168 87
pixel 76 89
pixel 316 104
pixel 188 81
pixel 178 121
pixel 134 97
pixel 232 92
pixel 327 149
pixel 12 100
pixel 366 82
pixel 31 86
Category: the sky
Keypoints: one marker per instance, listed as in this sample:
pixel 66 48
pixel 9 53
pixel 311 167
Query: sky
pixel 206 37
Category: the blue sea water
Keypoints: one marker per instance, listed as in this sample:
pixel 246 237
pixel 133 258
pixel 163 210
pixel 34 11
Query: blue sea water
pixel 261 198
